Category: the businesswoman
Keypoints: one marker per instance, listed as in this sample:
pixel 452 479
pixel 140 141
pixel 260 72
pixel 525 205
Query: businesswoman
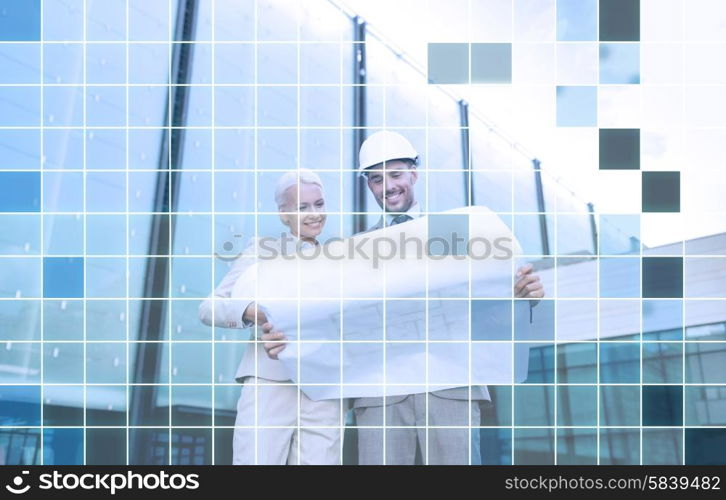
pixel 276 423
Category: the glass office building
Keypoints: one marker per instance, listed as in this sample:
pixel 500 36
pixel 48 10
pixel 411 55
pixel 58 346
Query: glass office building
pixel 140 140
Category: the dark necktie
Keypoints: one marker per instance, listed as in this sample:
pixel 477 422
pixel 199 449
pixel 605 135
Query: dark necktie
pixel 400 218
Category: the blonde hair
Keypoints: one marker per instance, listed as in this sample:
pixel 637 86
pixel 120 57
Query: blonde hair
pixel 293 178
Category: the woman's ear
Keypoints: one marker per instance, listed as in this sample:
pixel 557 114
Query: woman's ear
pixel 285 219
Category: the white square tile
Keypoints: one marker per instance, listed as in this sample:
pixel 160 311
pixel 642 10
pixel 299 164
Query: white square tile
pixel 661 148
pixel 661 63
pixel 535 20
pixel 619 106
pixel 661 20
pixel 577 63
pixel 705 20
pixel 706 106
pixel 533 63
pixel 662 106
pixel 491 20
pixel 705 63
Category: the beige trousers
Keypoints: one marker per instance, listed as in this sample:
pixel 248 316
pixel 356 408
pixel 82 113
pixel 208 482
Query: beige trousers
pixel 277 436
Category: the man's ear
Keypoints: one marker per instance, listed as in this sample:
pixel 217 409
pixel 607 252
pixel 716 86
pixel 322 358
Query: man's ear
pixel 414 174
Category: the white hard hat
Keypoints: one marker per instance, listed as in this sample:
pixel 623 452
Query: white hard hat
pixel 384 146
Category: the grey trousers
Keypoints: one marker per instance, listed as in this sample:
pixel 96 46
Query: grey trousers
pixel 450 437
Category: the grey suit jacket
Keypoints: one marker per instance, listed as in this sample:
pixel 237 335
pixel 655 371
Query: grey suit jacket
pixel 478 392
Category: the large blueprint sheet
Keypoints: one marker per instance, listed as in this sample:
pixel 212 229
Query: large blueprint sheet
pixel 359 327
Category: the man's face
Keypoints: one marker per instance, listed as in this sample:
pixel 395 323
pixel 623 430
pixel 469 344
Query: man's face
pixel 392 185
pixel 305 209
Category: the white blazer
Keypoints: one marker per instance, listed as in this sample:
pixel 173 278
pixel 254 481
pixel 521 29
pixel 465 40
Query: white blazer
pixel 228 314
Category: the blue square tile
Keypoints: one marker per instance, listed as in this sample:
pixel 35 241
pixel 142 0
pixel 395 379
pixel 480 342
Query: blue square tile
pixel 620 20
pixel 662 446
pixel 533 405
pixel 106 149
pixel 577 405
pixel 662 277
pixel 534 446
pixel 619 363
pixel 19 191
pixel 662 405
pixel 619 149
pixel 57 112
pixel 19 405
pixel 67 19
pixel 106 234
pixel 55 414
pixel 661 191
pixel 21 234
pixel 106 446
pixel 491 320
pixel 106 106
pixel 448 63
pixel 620 63
pixel 63 277
pixel 576 20
pixel 577 363
pixel 63 447
pixel 20 149
pixel 106 192
pixel 576 106
pixel 619 277
pixel 491 63
pixel 662 363
pixel 63 63
pixel 63 234
pixel 63 148
pixel 620 405
pixel 495 446
pixel 663 319
pixel 19 63
pixel 618 234
pixel 623 446
pixel 706 446
pixel 19 20
pixel 577 446
pixel 447 235
pixel 62 363
pixel 19 106
pixel 540 365
pixel 106 63
pixel 105 277
pixel 62 191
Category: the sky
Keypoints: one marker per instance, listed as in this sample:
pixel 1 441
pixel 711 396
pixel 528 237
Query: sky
pixel 681 125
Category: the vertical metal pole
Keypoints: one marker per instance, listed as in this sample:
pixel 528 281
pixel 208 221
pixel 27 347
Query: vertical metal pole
pixel 541 207
pixel 593 228
pixel 359 121
pixel 156 290
pixel 465 152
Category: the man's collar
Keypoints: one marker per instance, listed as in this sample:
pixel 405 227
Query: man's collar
pixel 414 211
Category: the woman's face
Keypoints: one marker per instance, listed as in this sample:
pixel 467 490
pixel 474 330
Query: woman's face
pixel 304 211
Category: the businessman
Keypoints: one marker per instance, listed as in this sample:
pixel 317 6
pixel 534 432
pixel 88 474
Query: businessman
pixel 389 163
